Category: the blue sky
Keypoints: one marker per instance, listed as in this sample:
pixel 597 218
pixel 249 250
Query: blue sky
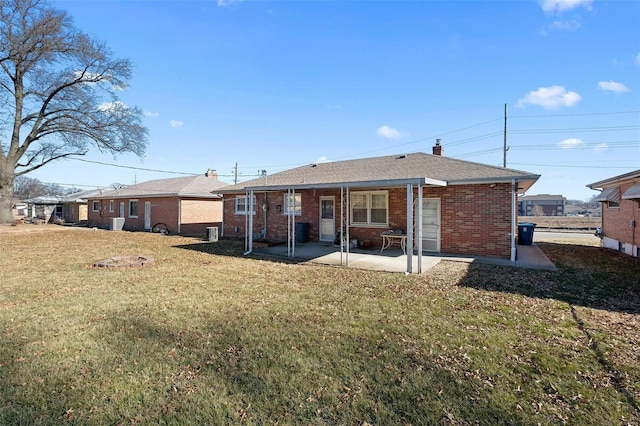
pixel 275 85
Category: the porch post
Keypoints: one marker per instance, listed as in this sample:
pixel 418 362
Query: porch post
pixel 341 220
pixel 418 223
pixel 346 224
pixel 409 245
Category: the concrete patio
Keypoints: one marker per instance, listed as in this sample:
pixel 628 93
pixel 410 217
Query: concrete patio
pixel 394 260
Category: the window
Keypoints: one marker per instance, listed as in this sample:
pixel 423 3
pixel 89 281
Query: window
pixel 133 208
pixel 370 208
pixel 95 206
pixel 293 204
pixel 242 205
pixel 612 205
pixel 111 206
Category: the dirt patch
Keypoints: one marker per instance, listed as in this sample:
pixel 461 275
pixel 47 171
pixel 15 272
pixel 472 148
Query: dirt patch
pixel 125 262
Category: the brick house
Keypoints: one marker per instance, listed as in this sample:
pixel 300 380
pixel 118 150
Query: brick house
pixel 620 198
pixel 184 205
pixel 460 207
pixel 71 208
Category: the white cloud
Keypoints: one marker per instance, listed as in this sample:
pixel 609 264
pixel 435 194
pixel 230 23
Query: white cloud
pixel 601 147
pixel 570 26
pixel 550 98
pixel 224 3
pixel 560 6
pixel 612 86
pixel 322 159
pixel 175 123
pixel 388 132
pixel 570 143
pixel 151 114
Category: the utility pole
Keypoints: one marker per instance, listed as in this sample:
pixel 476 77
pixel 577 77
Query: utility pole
pixel 235 174
pixel 505 148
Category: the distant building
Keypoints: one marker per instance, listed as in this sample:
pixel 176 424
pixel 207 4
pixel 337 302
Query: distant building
pixel 541 205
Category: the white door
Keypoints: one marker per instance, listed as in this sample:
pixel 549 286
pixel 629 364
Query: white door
pixel 327 218
pixel 147 215
pixel 431 224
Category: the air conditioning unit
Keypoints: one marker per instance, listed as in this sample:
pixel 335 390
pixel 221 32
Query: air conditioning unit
pixel 117 223
pixel 212 233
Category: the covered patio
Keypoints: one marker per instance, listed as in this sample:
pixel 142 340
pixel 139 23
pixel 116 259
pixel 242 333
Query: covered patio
pixel 395 260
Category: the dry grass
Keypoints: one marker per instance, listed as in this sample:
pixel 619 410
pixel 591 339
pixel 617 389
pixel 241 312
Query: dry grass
pixel 207 336
pixel 563 222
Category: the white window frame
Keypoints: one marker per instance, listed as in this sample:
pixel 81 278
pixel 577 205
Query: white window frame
pixel 244 204
pixel 137 208
pixel 286 203
pixel 111 206
pixel 368 195
pixel 95 206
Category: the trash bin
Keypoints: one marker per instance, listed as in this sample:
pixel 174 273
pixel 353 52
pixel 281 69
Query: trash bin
pixel 212 233
pixel 525 233
pixel 302 232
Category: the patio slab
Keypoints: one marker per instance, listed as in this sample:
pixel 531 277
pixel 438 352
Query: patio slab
pixel 394 260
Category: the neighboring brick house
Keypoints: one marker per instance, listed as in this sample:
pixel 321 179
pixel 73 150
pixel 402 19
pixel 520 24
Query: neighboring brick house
pixel 620 198
pixel 184 205
pixel 541 205
pixel 467 208
pixel 71 208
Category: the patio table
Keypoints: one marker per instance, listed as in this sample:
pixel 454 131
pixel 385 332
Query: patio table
pixel 388 237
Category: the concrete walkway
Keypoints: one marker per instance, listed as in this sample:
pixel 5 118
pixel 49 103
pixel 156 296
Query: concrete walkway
pixel 395 261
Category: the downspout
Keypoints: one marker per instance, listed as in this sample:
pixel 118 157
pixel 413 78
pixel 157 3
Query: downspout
pixel 514 189
pixel 265 207
pixel 250 225
pixel 179 213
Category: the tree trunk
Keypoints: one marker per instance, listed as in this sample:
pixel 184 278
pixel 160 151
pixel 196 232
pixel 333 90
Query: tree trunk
pixel 6 196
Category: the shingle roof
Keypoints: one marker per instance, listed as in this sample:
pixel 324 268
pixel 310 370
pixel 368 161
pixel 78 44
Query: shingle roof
pixel 632 193
pixel 615 180
pixel 388 168
pixel 75 197
pixel 187 186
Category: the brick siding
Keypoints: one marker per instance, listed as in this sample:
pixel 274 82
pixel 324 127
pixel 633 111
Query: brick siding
pixel 616 221
pixel 475 219
pixel 197 214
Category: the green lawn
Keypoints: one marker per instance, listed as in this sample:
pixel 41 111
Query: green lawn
pixel 205 336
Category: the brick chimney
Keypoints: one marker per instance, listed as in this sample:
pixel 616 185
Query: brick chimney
pixel 437 148
pixel 211 174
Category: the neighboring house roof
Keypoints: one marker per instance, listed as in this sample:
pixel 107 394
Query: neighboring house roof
pixel 610 194
pixel 542 197
pixel 387 171
pixel 187 186
pixel 632 193
pixel 616 180
pixel 76 197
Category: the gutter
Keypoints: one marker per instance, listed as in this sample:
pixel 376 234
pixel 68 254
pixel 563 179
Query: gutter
pixel 514 190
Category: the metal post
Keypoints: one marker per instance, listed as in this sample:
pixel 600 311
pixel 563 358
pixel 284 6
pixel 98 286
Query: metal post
pixel 409 244
pixel 346 224
pixel 418 223
pixel 250 213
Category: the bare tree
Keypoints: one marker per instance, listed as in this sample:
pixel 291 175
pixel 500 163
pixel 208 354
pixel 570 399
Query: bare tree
pixel 26 187
pixel 58 94
pixel 537 210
